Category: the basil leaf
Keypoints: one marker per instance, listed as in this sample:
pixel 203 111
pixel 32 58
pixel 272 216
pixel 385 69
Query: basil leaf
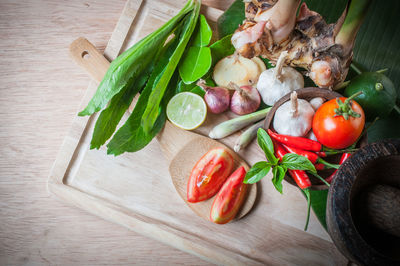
pixel 152 109
pixel 221 49
pixel 278 176
pixel 130 64
pixel 203 34
pixel 265 143
pixel 297 162
pixel 257 172
pixel 196 64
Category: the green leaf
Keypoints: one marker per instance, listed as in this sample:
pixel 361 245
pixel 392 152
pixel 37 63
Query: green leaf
pixel 196 64
pixel 221 49
pixel 182 87
pixel 152 110
pixel 265 143
pixel 228 22
pixel 199 91
pixel 297 162
pixel 257 172
pixel 203 34
pixel 278 176
pixel 131 136
pixel 110 117
pixel 127 67
pixel 318 204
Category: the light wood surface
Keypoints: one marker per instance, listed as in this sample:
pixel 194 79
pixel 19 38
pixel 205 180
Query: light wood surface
pixel 40 92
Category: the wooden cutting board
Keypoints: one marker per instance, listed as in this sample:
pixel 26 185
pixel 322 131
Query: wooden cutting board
pixel 135 189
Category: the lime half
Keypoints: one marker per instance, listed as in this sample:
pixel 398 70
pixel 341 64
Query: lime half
pixel 187 110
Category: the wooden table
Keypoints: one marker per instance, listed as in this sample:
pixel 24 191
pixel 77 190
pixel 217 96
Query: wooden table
pixel 40 91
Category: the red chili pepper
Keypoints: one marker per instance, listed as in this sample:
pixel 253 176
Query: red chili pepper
pixel 296 142
pixel 319 166
pixel 312 156
pixel 321 153
pixel 299 176
pixel 344 157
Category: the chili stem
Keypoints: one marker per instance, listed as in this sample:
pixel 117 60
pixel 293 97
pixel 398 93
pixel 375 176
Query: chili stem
pixel 330 165
pixel 308 196
pixel 320 178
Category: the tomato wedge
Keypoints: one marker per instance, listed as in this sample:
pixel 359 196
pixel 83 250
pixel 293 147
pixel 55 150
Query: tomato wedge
pixel 208 175
pixel 229 199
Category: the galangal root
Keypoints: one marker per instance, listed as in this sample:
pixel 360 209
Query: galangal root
pixel 324 50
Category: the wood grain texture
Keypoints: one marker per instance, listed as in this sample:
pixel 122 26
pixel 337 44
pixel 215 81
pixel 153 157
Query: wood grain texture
pixel 40 92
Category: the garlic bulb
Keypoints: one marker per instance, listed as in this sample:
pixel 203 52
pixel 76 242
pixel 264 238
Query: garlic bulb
pixel 316 102
pixel 276 82
pixel 294 117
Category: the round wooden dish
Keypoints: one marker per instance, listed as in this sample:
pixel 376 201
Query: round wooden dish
pixel 307 94
pixel 363 206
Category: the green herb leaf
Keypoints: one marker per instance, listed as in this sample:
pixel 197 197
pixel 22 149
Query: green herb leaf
pixel 297 162
pixel 265 143
pixel 182 87
pixel 203 34
pixel 257 172
pixel 221 49
pixel 196 64
pixel 126 66
pixel 152 110
pixel 278 175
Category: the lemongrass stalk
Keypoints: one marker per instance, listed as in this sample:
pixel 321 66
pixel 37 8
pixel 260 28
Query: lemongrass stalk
pixel 247 136
pixel 354 18
pixel 231 126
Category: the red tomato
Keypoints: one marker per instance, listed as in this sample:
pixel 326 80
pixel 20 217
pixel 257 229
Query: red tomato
pixel 230 198
pixel 208 175
pixel 335 131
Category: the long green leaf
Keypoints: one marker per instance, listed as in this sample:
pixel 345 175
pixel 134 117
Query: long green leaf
pixel 131 136
pixel 152 110
pixel 130 64
pixel 110 117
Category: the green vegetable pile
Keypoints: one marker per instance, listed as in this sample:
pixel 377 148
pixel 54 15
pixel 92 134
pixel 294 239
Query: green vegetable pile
pixel 168 61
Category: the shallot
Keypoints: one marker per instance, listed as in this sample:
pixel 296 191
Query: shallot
pixel 216 98
pixel 245 99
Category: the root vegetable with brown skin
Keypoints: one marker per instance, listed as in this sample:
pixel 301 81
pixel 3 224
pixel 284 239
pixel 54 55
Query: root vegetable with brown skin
pixel 324 50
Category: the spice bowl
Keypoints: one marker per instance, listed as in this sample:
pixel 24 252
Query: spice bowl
pixel 308 94
pixel 363 206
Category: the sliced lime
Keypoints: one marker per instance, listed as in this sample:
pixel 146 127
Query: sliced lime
pixel 187 110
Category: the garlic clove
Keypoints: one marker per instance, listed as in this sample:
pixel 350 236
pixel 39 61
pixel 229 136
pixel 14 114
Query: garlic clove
pixel 316 102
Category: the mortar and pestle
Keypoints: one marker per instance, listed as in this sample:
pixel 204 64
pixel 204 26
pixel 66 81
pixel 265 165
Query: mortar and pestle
pixel 363 206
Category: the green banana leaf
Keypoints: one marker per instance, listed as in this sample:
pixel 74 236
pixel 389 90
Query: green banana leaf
pixel 377 47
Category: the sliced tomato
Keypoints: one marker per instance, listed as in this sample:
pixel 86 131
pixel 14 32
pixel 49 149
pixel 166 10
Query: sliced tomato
pixel 208 175
pixel 230 198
